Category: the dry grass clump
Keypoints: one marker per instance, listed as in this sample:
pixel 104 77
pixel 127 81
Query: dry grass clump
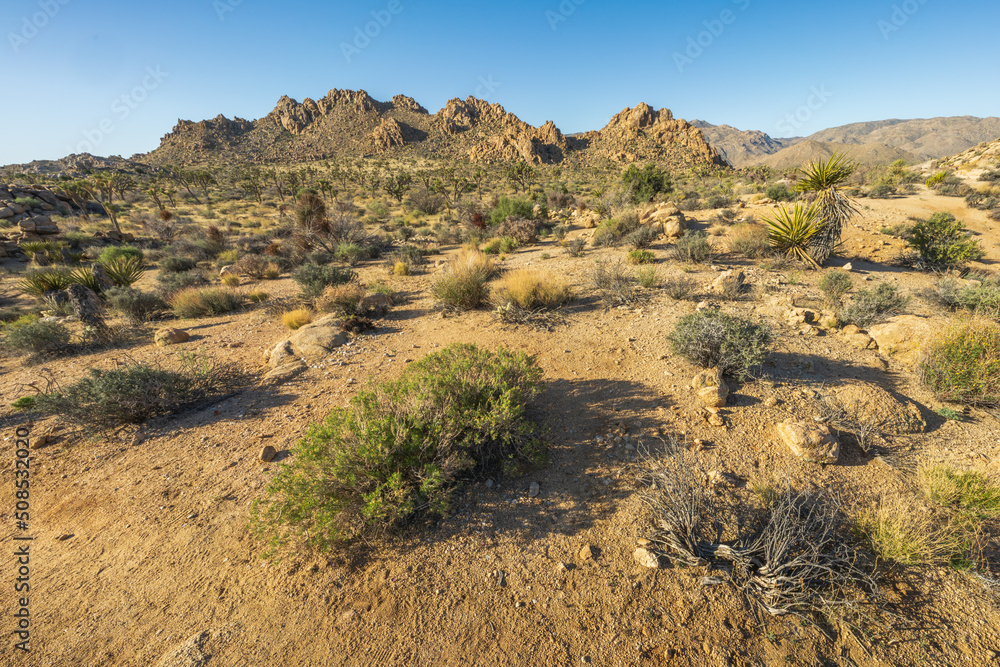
pixel 897 531
pixel 345 299
pixel 296 319
pixel 203 302
pixel 463 283
pixel 533 289
pixel 963 364
pixel 231 280
pixel 973 494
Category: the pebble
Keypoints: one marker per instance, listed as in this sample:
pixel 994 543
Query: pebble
pixel 533 490
pixel 587 552
pixel 268 453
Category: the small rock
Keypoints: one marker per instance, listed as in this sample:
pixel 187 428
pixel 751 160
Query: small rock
pixel 848 267
pixel 268 453
pixel 533 490
pixel 711 388
pixel 770 401
pixel 168 336
pixel 489 484
pixel 809 442
pixel 646 558
pixel 588 552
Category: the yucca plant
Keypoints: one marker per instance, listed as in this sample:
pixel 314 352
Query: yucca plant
pixel 40 282
pixel 792 230
pixel 32 248
pixel 835 209
pixel 125 271
pixel 85 276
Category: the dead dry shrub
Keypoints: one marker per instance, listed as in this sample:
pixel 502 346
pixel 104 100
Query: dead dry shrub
pixel 344 299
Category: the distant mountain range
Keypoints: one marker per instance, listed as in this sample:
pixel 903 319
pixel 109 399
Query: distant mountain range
pixel 914 140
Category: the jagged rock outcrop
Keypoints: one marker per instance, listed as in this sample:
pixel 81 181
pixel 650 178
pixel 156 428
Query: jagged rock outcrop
pixel 346 122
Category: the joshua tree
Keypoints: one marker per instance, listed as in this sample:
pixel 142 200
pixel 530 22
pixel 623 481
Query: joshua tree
pixel 834 208
pixel 396 185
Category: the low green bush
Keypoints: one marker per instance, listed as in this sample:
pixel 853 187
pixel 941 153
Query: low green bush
pixel 780 192
pixel 613 231
pixel 712 339
pixel 115 252
pixel 177 264
pixel 36 338
pixel 693 246
pixel 136 306
pixel 647 182
pixel 204 302
pixel 872 305
pixel 403 448
pixel 942 242
pixel 834 285
pixel 512 207
pixel 963 364
pixel 313 278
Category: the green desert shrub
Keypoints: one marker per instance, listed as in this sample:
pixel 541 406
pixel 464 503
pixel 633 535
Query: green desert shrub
pixel 647 182
pixel 712 339
pixel 512 207
pixel 693 246
pixel 641 257
pixel 834 285
pixel 463 284
pixel 177 264
pixel 136 306
pixel 314 278
pixel 981 297
pixel 107 400
pixel 170 283
pixel 641 238
pixel 252 266
pixel 872 305
pixel 204 302
pixel 942 241
pixel 125 271
pixel 780 192
pixel 35 337
pixel 403 448
pixel 963 364
pixel 613 231
pixel 114 252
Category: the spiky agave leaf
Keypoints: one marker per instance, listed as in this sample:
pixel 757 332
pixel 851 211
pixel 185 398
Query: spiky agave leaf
pixel 819 176
pixel 835 208
pixel 790 230
pixel 124 271
pixel 40 282
pixel 85 276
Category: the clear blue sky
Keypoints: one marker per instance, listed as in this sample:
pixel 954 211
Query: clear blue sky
pixel 68 63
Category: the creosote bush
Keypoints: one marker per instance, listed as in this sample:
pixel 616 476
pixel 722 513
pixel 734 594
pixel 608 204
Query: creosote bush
pixel 693 246
pixel 463 283
pixel 942 241
pixel 963 364
pixel 834 285
pixel 136 306
pixel 713 339
pixel 204 302
pixel 36 338
pixel 402 448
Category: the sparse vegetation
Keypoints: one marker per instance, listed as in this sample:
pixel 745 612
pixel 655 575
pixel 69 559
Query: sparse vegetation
pixel 194 302
pixel 943 242
pixel 711 339
pixel 873 305
pixel 314 278
pixel 296 319
pixel 963 364
pixel 834 285
pixel 404 447
pixel 533 289
pixel 464 281
pixel 36 338
pixel 693 246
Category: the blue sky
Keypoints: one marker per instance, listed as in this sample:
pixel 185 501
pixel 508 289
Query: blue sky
pixel 114 76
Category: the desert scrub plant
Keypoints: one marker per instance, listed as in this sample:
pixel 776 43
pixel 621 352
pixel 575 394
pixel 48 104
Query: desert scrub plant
pixel 351 253
pixel 834 285
pixel 230 280
pixel 873 305
pixel 640 257
pixel 204 302
pixel 680 288
pixel 343 299
pixel 402 448
pixel 791 231
pixel 647 182
pixel 522 230
pixel 712 339
pixel 36 338
pixel 534 289
pixel 750 240
pixel 575 247
pixel 613 231
pixel 314 278
pixel 981 297
pixel 251 266
pixel 170 283
pixel 974 495
pixel 296 319
pixel 136 306
pixel 894 531
pixel 642 238
pixel 779 192
pixel 693 246
pixel 463 284
pixel 616 285
pixel 258 296
pixel 107 400
pixel 511 207
pixel 962 365
pixel 648 277
pixel 943 242
pixel 175 264
pixel 114 252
